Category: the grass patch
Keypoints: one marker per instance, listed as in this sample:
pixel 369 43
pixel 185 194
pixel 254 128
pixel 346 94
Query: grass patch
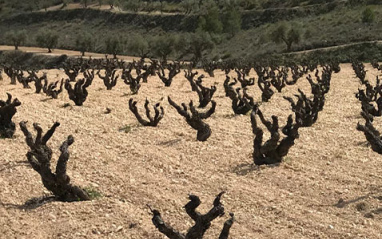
pixel 92 192
pixel 126 129
pixel 66 105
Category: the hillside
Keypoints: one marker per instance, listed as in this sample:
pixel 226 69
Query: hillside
pixel 320 25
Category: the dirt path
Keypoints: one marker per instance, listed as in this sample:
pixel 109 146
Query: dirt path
pixel 116 9
pixel 58 52
pixel 334 47
pixel 130 58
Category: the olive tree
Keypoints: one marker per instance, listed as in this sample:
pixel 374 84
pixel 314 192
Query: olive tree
pixel 163 46
pixel 132 5
pixel 114 46
pixel 284 34
pixel 47 39
pixel 210 21
pixel 84 43
pixel 231 20
pixel 85 3
pixel 16 38
pixel 198 44
pixel 139 46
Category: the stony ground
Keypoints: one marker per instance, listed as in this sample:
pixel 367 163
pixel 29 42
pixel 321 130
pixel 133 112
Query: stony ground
pixel 132 166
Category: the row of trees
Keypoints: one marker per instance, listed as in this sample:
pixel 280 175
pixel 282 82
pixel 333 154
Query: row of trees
pixel 44 39
pixel 289 34
pixel 215 20
pixel 187 45
pixel 190 45
pixel 185 6
pixel 196 6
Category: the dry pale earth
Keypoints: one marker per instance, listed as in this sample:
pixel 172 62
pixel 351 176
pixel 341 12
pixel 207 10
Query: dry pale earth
pixel 59 52
pixel 161 166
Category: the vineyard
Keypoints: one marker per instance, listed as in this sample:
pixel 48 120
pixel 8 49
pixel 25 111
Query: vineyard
pixel 103 148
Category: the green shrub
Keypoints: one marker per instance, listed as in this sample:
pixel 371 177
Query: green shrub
pixel 368 15
pixel 92 192
pixel 210 21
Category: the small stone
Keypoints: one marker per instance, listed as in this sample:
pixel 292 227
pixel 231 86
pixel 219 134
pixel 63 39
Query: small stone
pixel 330 227
pixel 361 206
pixel 369 215
pixel 95 185
pixel 52 216
pixel 132 225
pixel 119 229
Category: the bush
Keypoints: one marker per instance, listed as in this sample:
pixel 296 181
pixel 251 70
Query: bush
pixel 210 22
pixel 368 15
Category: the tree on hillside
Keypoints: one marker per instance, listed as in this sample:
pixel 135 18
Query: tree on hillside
pixel 85 3
pixel 196 45
pixel 47 39
pixel 250 4
pixel 210 21
pixel 132 5
pixel 65 3
pixel 189 6
pixel 288 35
pixel 232 20
pixel 199 44
pixel 43 4
pixel 368 15
pixel 114 46
pixel 163 46
pixel 84 43
pixel 139 46
pixel 112 3
pixel 354 3
pixel 162 4
pixel 16 38
pixel 182 42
